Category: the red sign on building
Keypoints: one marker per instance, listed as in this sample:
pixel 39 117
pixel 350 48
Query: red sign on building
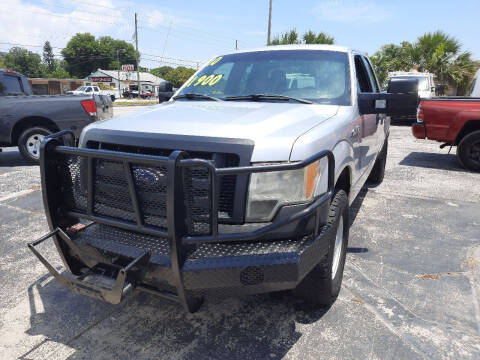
pixel 127 67
pixel 100 79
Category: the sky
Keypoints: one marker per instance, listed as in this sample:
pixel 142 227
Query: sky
pixel 188 33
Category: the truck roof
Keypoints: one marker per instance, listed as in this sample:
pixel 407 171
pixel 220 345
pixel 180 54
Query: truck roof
pixel 409 73
pixel 297 47
pixel 9 71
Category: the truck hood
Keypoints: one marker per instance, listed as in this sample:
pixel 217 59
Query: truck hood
pixel 273 127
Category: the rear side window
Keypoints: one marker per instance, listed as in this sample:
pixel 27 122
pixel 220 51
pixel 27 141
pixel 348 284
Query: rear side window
pixel 95 88
pixel 371 75
pixel 10 84
pixel 363 81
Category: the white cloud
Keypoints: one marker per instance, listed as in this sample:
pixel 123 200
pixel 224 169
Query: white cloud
pixel 57 21
pixel 352 10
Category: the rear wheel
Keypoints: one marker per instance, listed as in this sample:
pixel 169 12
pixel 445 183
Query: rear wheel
pixel 322 285
pixel 468 151
pixel 29 143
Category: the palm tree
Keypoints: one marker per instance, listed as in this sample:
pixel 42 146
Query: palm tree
pixel 310 37
pixel 437 53
pixel 321 38
pixel 441 55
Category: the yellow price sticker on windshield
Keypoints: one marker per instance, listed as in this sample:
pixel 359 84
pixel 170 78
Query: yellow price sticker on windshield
pixel 214 61
pixel 205 80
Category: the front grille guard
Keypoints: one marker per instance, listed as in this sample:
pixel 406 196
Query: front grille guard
pixel 176 232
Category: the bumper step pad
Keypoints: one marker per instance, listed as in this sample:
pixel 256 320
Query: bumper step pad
pixel 102 281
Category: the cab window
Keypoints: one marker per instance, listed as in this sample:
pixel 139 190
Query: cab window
pixel 363 81
pixel 10 84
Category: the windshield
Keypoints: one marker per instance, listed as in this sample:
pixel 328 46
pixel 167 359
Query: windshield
pixel 316 75
pixel 81 88
pixel 422 81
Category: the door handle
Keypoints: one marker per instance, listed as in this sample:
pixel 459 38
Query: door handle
pixel 355 132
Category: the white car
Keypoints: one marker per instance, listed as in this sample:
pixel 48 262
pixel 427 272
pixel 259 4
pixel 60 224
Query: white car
pixel 475 90
pixel 94 90
pixel 426 84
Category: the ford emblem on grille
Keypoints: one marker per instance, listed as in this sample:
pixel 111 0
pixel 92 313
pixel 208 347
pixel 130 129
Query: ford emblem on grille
pixel 146 177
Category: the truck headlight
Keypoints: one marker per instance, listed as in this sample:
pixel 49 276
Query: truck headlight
pixel 270 190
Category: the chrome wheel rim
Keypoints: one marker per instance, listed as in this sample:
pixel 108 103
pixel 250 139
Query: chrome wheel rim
pixel 33 145
pixel 337 249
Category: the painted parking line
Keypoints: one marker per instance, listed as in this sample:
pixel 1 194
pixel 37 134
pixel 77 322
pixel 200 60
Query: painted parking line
pixel 19 193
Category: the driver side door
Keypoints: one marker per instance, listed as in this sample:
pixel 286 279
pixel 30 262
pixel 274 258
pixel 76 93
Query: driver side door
pixel 369 123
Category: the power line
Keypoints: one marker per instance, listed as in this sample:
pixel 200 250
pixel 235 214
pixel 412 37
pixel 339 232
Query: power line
pixel 147 57
pixel 66 17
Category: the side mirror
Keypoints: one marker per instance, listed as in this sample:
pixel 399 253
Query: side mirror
pixel 401 98
pixel 165 86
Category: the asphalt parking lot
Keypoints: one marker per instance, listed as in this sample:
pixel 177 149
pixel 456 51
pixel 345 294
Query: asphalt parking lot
pixel 411 287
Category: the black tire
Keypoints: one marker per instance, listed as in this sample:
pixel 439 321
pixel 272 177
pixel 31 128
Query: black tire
pixel 318 287
pixel 468 151
pixel 378 171
pixel 22 142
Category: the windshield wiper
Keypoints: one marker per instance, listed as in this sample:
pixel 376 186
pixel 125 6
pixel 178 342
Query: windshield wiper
pixel 196 96
pixel 260 97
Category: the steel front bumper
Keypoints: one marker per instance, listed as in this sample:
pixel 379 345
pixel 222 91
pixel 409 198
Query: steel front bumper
pixel 106 258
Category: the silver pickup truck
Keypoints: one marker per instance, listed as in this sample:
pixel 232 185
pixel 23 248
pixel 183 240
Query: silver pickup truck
pixel 240 184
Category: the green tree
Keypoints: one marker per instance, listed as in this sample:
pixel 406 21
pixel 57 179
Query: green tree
pixel 59 73
pixel 161 71
pixel 310 37
pixel 179 75
pixel 84 54
pixel 290 37
pixel 48 57
pixel 392 57
pixel 108 50
pixel 24 61
pixel 437 53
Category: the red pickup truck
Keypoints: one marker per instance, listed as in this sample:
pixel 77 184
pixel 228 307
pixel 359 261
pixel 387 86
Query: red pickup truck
pixel 455 121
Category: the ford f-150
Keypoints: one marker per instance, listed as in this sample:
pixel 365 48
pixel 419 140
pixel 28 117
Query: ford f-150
pixel 240 184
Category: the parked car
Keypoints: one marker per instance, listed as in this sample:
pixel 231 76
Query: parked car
pixel 132 93
pixel 454 121
pixel 25 119
pixel 90 90
pixel 240 184
pixel 426 88
pixel 475 89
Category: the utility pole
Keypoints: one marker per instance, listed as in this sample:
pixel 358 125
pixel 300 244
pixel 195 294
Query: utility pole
pixel 118 75
pixel 269 22
pixel 138 54
pixel 236 44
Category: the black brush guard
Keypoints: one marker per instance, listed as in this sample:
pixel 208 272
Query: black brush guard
pixel 111 282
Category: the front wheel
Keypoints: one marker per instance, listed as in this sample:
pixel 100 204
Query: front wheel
pixel 468 151
pixel 29 143
pixel 322 285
